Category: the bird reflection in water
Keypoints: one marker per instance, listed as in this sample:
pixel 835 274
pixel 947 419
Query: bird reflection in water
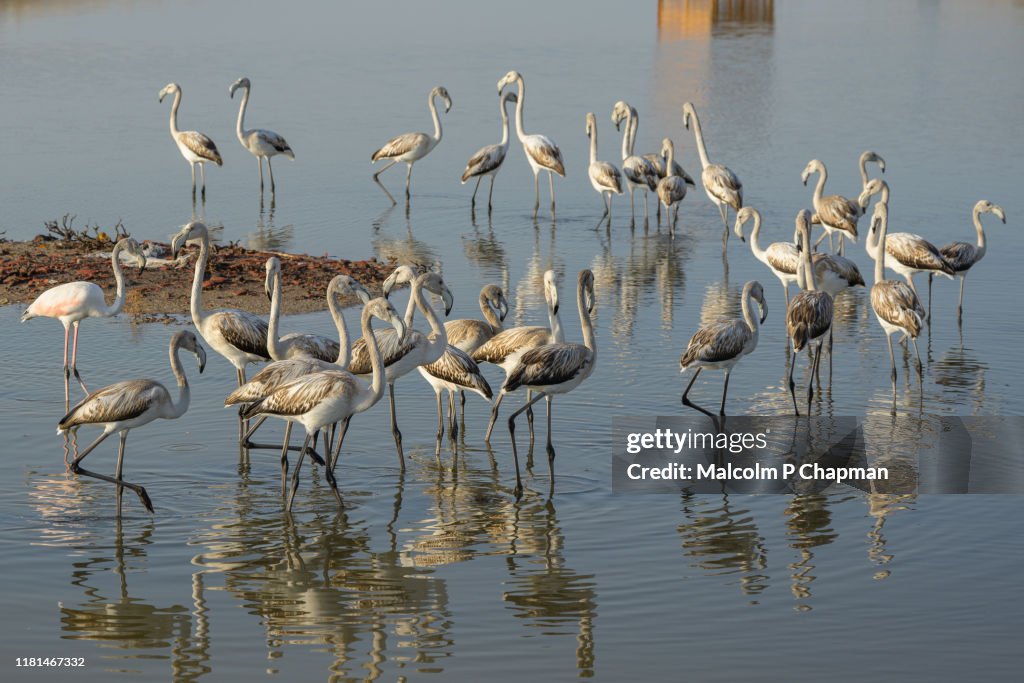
pixel 318 584
pixel 542 590
pixel 267 236
pixel 722 539
pixel 880 506
pixel 130 624
pixel 402 250
pixel 809 526
pixel 484 250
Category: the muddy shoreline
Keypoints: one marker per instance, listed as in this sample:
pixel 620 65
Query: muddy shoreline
pixel 234 277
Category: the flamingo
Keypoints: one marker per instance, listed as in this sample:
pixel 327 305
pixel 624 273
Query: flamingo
pixel 411 147
pixel 193 145
pixel 404 353
pixel 541 152
pixel 672 188
pixel 295 344
pixel 330 396
pixel 505 348
pixel 837 214
pixel 124 406
pixel 896 305
pixel 278 373
pixel 455 370
pixel 909 253
pixel 468 334
pixel 867 156
pixel 721 344
pixel 240 337
pixel 809 314
pixel 554 369
pixel 639 172
pixel 963 255
pixel 261 143
pixel 487 160
pixel 720 184
pixel 604 177
pixel 782 258
pixel 73 302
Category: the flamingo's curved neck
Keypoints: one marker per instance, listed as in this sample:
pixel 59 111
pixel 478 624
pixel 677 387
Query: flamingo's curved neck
pixel 752 321
pixel 196 303
pixel 438 335
pixel 589 338
pixel 593 142
pixel 174 112
pixel 376 389
pixel 504 122
pixel 880 250
pixel 519 108
pixel 805 269
pixel 981 233
pixel 864 170
pixel 240 126
pixel 179 406
pixel 118 302
pixel 635 117
pixel 670 160
pixel 699 136
pixel 625 137
pixel 819 188
pixel 437 119
pixel 489 315
pixel 273 340
pixel 755 244
pixel 344 349
pixel 555 323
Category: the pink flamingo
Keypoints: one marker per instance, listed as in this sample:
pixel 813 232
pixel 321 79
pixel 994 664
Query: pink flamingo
pixel 72 302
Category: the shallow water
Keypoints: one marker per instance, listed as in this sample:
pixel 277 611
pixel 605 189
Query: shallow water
pixel 438 572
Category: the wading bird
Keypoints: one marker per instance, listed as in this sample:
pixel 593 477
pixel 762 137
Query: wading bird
pixel 721 344
pixel 240 337
pixel 837 214
pixel 505 348
pixel 640 173
pixel 867 156
pixel 469 334
pixel 280 372
pixel 541 152
pixel 961 256
pixel 294 344
pixel 402 354
pixel 780 257
pixel 261 143
pixel 896 305
pixel 327 397
pixel 604 177
pixel 554 369
pixel 124 406
pixel 721 185
pixel 672 188
pixel 193 145
pixel 908 253
pixel 73 302
pixel 411 147
pixel 487 160
pixel 455 371
pixel 809 315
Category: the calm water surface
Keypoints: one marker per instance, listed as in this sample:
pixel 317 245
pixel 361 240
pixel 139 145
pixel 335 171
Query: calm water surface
pixel 437 573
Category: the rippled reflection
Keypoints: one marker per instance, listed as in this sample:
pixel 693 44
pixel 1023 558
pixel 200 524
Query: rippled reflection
pixel 722 538
pixel 267 236
pixel 110 614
